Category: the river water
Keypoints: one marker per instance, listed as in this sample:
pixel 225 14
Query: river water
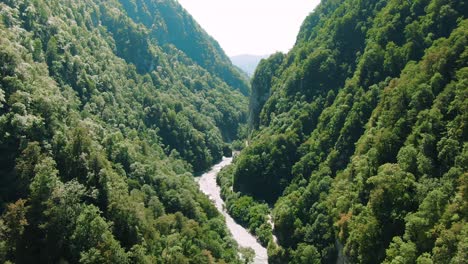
pixel 208 186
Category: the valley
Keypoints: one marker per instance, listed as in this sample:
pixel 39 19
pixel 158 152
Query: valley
pixel 352 147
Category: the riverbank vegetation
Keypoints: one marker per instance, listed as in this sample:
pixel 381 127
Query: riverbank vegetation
pixel 246 211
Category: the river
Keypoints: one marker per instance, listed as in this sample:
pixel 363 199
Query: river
pixel 208 186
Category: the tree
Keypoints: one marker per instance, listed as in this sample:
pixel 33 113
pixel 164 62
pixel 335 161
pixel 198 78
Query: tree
pixel 93 241
pixel 401 252
pixel 248 254
pixel 12 226
pixel 391 196
pixel 306 254
pixel 52 51
pixel 26 163
pixel 43 184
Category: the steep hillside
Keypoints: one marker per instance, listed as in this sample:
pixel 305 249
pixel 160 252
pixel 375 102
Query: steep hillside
pixel 103 118
pixel 170 25
pixel 359 137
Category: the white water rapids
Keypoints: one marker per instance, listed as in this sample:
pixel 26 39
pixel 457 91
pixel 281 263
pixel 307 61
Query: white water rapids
pixel 208 186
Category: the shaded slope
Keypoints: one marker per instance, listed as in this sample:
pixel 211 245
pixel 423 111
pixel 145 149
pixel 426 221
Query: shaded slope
pixel 358 129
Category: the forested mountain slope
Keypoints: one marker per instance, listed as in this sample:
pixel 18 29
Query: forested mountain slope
pixel 104 115
pixel 170 25
pixel 359 136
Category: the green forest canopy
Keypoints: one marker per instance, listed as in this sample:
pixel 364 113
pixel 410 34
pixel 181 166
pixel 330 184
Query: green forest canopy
pixel 104 116
pixel 359 137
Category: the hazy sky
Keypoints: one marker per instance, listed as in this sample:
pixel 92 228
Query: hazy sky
pixel 251 26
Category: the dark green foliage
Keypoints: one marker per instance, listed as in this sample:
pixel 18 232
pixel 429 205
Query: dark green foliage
pixel 261 84
pixel 359 135
pixel 261 170
pixel 244 209
pixel 102 123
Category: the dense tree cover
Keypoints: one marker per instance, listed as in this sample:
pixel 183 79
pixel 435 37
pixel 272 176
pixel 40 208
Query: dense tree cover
pixel 359 135
pixel 262 82
pixel 170 25
pixel 101 127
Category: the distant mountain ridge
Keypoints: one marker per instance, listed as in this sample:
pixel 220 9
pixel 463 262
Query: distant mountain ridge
pixel 170 25
pixel 247 62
